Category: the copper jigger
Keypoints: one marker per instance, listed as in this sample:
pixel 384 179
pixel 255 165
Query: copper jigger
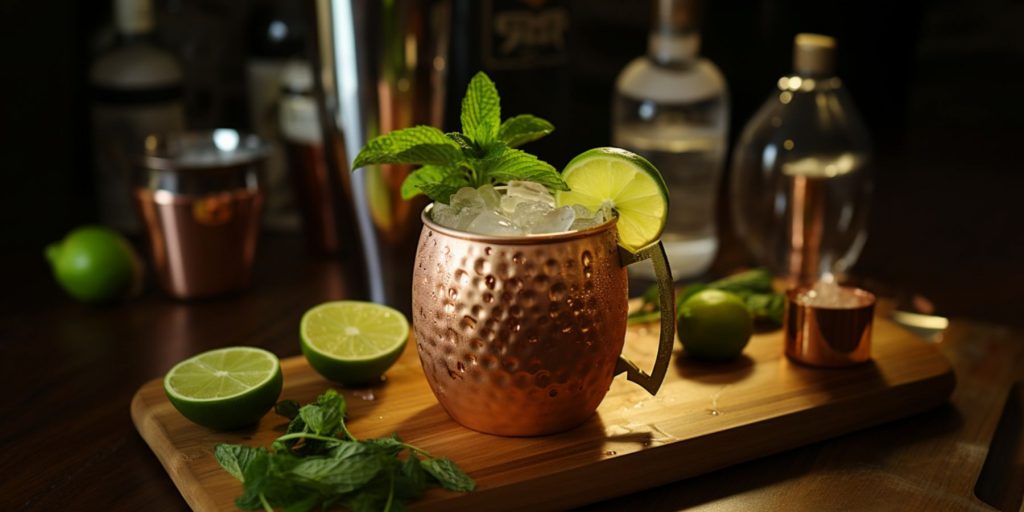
pixel 522 336
pixel 200 198
pixel 829 335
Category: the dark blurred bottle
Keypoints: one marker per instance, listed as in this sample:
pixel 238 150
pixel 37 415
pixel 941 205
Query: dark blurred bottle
pixel 326 221
pixel 275 33
pixel 524 46
pixel 136 90
pixel 800 177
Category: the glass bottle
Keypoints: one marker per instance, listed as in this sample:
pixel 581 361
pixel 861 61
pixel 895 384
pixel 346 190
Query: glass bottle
pixel 800 184
pixel 137 89
pixel 276 31
pixel 672 107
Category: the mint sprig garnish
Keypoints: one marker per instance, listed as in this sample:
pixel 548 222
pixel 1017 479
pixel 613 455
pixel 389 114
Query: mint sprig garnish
pixel 318 463
pixel 482 153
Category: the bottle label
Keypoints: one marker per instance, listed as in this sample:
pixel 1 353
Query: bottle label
pixel 520 34
pixel 300 122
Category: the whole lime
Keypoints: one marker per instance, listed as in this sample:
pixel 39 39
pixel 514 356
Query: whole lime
pixel 714 325
pixel 95 264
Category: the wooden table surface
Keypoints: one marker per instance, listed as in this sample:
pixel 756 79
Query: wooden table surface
pixel 69 371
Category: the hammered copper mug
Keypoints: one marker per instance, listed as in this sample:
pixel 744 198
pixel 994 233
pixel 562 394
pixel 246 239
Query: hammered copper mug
pixel 522 336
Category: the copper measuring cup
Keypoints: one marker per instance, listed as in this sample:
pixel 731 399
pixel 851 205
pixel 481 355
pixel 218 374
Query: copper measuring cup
pixel 522 336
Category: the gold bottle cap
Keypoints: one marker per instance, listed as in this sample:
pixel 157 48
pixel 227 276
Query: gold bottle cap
pixel 814 54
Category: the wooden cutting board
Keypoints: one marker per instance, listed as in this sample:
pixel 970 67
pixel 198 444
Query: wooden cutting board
pixel 706 416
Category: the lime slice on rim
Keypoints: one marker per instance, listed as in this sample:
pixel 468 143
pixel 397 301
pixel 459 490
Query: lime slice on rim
pixel 225 388
pixel 353 342
pixel 624 181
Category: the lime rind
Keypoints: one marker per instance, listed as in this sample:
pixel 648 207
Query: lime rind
pixel 628 183
pixel 344 330
pixel 195 379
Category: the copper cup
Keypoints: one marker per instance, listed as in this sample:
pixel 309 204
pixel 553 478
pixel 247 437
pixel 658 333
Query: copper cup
pixel 200 197
pixel 522 336
pixel 829 336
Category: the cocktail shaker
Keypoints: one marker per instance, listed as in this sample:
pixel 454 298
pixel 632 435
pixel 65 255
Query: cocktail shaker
pixel 380 66
pixel 200 198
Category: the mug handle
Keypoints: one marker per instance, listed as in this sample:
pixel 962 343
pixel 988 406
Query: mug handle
pixel 666 298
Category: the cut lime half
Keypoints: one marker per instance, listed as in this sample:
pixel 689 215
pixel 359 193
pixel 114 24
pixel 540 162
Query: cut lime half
pixel 353 342
pixel 225 388
pixel 627 183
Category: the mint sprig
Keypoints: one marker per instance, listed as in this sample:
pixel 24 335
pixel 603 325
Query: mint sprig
pixel 482 153
pixel 318 463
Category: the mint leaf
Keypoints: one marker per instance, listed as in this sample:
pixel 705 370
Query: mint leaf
pixel 515 164
pixel 325 471
pixel 348 467
pixel 287 408
pixel 411 482
pixel 449 475
pixel 416 145
pixel 319 420
pixel 464 142
pixel 235 458
pixel 412 186
pixel 444 190
pixel 519 130
pixel 481 110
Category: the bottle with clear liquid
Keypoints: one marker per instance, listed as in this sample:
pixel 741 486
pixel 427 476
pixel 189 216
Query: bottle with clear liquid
pixel 672 107
pixel 800 184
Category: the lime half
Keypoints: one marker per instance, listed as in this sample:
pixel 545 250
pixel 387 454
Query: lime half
pixel 225 388
pixel 353 342
pixel 625 182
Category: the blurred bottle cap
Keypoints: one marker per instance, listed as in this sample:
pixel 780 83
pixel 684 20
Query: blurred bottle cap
pixel 814 54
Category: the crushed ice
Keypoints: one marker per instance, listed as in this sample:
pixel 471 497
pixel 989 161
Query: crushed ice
pixel 519 208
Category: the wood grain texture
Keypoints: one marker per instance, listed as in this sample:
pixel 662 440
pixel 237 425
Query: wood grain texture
pixel 705 417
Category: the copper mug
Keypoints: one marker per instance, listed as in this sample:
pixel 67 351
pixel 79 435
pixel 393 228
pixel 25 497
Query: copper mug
pixel 522 336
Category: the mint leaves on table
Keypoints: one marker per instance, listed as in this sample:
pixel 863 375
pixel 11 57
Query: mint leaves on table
pixel 317 463
pixel 483 153
pixel 753 286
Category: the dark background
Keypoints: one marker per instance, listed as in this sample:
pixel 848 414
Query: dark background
pixel 939 84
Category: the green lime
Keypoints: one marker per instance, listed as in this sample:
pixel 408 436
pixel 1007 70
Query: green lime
pixel 714 325
pixel 353 342
pixel 225 388
pixel 625 182
pixel 95 264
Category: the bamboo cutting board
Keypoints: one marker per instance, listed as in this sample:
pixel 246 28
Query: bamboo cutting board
pixel 705 417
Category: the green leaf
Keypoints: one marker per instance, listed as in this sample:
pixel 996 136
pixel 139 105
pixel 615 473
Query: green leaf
pixel 304 504
pixel 481 110
pixel 464 142
pixel 514 164
pixel 411 482
pixel 235 458
pixel 391 446
pixel 287 408
pixel 757 280
pixel 428 174
pixel 417 145
pixel 449 475
pixel 348 467
pixel 519 130
pixel 443 191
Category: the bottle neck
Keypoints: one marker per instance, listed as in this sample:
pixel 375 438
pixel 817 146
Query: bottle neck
pixel 671 49
pixel 674 39
pixel 133 18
